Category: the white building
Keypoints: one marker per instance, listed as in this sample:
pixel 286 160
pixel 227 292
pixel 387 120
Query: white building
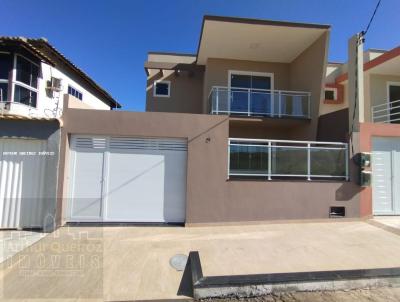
pixel 34 76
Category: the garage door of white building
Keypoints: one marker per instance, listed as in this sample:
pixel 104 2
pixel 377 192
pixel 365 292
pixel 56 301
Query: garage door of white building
pixel 126 179
pixel 22 172
pixel 386 176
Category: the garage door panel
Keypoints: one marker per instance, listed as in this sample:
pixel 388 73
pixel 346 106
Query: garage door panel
pixel 175 184
pixel 21 183
pixel 87 185
pixel 135 187
pixel 385 175
pixel 382 175
pixel 396 178
pixel 144 179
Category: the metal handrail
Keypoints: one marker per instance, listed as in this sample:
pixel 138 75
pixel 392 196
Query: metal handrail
pixel 378 115
pixel 285 141
pixel 276 104
pixel 257 89
pixel 272 144
pixel 386 104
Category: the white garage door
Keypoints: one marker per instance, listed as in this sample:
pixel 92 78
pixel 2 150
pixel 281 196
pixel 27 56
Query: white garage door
pixel 386 176
pixel 124 179
pixel 21 183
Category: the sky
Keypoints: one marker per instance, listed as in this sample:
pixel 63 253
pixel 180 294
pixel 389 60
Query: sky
pixel 109 39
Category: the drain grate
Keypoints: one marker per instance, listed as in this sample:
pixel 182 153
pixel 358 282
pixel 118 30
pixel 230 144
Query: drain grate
pixel 178 262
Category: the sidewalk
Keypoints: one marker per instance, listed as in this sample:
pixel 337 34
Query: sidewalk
pixel 135 260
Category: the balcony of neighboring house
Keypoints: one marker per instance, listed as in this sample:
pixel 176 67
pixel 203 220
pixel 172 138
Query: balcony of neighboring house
pixel 389 110
pixel 287 159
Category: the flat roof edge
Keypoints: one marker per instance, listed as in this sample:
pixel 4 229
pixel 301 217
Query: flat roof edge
pixel 172 53
pixel 265 22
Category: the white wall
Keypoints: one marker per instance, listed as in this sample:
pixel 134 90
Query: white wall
pixel 50 106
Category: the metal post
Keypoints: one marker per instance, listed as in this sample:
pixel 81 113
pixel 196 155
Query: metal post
pixel 272 103
pixel 269 160
pixel 248 102
pixel 308 161
pixel 229 158
pixel 229 99
pixel 347 162
pixel 279 104
pixel 217 100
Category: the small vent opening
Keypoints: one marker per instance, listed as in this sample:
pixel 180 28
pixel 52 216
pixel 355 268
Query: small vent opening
pixel 91 142
pixel 337 212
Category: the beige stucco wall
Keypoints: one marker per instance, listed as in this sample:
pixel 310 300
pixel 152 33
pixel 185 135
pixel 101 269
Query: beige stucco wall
pixel 217 74
pixel 378 91
pixel 307 73
pixel 186 92
pixel 211 197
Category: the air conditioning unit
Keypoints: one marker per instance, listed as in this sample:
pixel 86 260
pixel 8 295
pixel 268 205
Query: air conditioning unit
pixel 54 84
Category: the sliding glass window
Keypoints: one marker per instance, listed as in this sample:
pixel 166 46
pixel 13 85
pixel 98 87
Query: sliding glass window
pixel 26 82
pixel 5 69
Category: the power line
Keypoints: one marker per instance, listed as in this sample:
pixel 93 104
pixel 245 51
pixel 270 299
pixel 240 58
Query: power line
pixel 372 18
pixel 360 40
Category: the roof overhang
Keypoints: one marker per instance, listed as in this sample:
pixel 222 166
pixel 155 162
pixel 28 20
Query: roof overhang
pixel 386 64
pixel 255 40
pixel 42 45
pixel 23 43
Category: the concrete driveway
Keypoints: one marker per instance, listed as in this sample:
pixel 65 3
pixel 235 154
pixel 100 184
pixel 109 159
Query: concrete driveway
pixel 132 263
pixel 14 241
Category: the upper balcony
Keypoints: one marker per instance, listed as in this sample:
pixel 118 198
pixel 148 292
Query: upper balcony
pixel 386 113
pixel 260 102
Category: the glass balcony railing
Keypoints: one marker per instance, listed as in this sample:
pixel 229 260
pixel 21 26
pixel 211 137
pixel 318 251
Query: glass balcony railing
pixel 259 102
pixel 285 159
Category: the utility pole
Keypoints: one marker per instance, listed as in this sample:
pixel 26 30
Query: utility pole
pixel 356 82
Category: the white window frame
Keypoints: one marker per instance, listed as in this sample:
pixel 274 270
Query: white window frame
pixel 388 84
pixel 15 82
pixel 7 80
pixel 77 90
pixel 161 95
pixel 252 73
pixel 335 93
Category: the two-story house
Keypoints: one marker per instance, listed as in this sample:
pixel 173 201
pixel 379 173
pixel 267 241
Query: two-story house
pixel 379 128
pixel 34 79
pixel 231 134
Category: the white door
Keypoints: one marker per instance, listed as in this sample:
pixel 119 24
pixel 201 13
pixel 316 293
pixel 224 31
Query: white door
pixel 128 179
pixel 21 183
pixel 87 172
pixel 386 175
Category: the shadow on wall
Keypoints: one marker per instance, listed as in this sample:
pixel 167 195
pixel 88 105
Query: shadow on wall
pixel 346 192
pixel 186 94
pixel 349 190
